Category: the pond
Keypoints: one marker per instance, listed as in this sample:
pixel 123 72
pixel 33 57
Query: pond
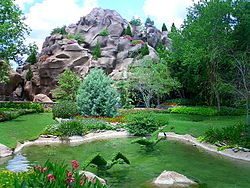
pixel 208 169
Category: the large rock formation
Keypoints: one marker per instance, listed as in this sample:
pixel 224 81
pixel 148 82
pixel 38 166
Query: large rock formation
pixel 117 51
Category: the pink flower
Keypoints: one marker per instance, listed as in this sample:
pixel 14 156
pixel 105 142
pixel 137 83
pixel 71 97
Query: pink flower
pixel 51 177
pixel 69 174
pixel 72 180
pixel 75 164
pixel 44 169
pixel 39 167
pixel 93 180
pixel 81 182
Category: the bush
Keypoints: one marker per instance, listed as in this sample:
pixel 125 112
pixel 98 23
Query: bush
pixel 128 31
pixel 141 124
pixel 23 105
pixel 144 50
pixel 97 51
pixel 90 124
pixel 59 30
pixel 71 128
pixel 104 32
pixel 29 74
pixel 64 109
pixel 78 37
pixel 9 114
pixel 96 96
pixel 234 135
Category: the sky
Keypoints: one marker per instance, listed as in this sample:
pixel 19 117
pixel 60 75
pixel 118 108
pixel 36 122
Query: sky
pixel 44 15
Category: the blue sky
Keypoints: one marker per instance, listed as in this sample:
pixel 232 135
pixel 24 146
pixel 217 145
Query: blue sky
pixel 44 15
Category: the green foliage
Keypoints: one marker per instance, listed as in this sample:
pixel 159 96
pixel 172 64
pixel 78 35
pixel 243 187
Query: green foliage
pixel 141 124
pixel 128 31
pixel 59 30
pixel 123 87
pixel 13 31
pixel 33 51
pixel 164 27
pixel 29 74
pixel 97 51
pixel 96 96
pixel 135 22
pixel 144 50
pixel 206 111
pixel 23 105
pixel 149 22
pixel 70 128
pixel 78 37
pixel 9 114
pixel 91 124
pixel 64 109
pixel 50 175
pixel 68 85
pixel 104 32
pixel 4 71
pixel 234 135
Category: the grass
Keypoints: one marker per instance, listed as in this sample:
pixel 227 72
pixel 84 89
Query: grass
pixel 27 127
pixel 195 125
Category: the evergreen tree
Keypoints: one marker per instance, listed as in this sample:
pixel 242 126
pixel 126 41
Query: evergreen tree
pixel 96 96
pixel 97 51
pixel 149 22
pixel 29 74
pixel 164 27
pixel 128 31
pixel 68 85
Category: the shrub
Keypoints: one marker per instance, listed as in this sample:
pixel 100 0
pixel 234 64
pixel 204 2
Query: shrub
pixel 78 37
pixel 94 124
pixel 64 109
pixel 59 30
pixel 235 135
pixel 97 51
pixel 23 105
pixel 96 96
pixel 68 85
pixel 141 124
pixel 128 31
pixel 9 114
pixel 144 50
pixel 70 128
pixel 104 32
pixel 29 74
pixel 33 51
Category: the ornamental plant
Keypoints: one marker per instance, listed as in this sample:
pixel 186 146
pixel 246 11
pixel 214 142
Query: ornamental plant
pixel 97 51
pixel 96 96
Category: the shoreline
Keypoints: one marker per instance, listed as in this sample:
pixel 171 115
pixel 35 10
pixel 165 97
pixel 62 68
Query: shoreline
pixel 74 140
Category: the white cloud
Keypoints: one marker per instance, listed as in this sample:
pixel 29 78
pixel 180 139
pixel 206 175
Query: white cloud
pixel 43 17
pixel 167 11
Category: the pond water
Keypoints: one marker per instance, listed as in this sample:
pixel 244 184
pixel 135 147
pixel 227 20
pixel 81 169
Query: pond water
pixel 210 170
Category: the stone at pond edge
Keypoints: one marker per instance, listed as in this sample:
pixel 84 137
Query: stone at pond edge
pixel 171 178
pixel 90 176
pixel 5 151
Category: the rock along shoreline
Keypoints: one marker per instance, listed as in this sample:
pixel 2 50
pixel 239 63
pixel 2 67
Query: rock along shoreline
pixel 45 140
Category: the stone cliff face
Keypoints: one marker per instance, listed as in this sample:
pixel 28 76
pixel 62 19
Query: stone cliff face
pixel 117 51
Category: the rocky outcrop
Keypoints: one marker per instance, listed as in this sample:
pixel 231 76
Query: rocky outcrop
pixel 5 151
pixel 171 178
pixel 60 52
pixel 42 98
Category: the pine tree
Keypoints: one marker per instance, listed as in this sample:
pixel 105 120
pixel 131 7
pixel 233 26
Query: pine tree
pixel 68 86
pixel 96 96
pixel 128 31
pixel 164 27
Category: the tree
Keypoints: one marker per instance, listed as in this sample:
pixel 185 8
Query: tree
pixel 33 51
pixel 164 27
pixel 4 71
pixel 135 22
pixel 128 31
pixel 96 96
pixel 152 79
pixel 68 85
pixel 97 51
pixel 12 35
pixel 149 22
pixel 123 86
pixel 29 74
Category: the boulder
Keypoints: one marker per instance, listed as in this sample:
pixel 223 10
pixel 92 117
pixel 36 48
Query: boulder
pixel 90 176
pixel 42 98
pixel 171 178
pixel 5 151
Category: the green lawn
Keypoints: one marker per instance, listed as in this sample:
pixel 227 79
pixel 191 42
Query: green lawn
pixel 26 127
pixel 194 125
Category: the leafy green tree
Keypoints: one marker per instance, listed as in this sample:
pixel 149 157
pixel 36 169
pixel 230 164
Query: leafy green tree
pixel 12 35
pixel 97 51
pixel 4 71
pixel 152 79
pixel 68 85
pixel 164 27
pixel 33 51
pixel 123 87
pixel 149 22
pixel 128 31
pixel 135 21
pixel 96 96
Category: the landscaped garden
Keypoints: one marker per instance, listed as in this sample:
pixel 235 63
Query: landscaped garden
pixel 133 106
